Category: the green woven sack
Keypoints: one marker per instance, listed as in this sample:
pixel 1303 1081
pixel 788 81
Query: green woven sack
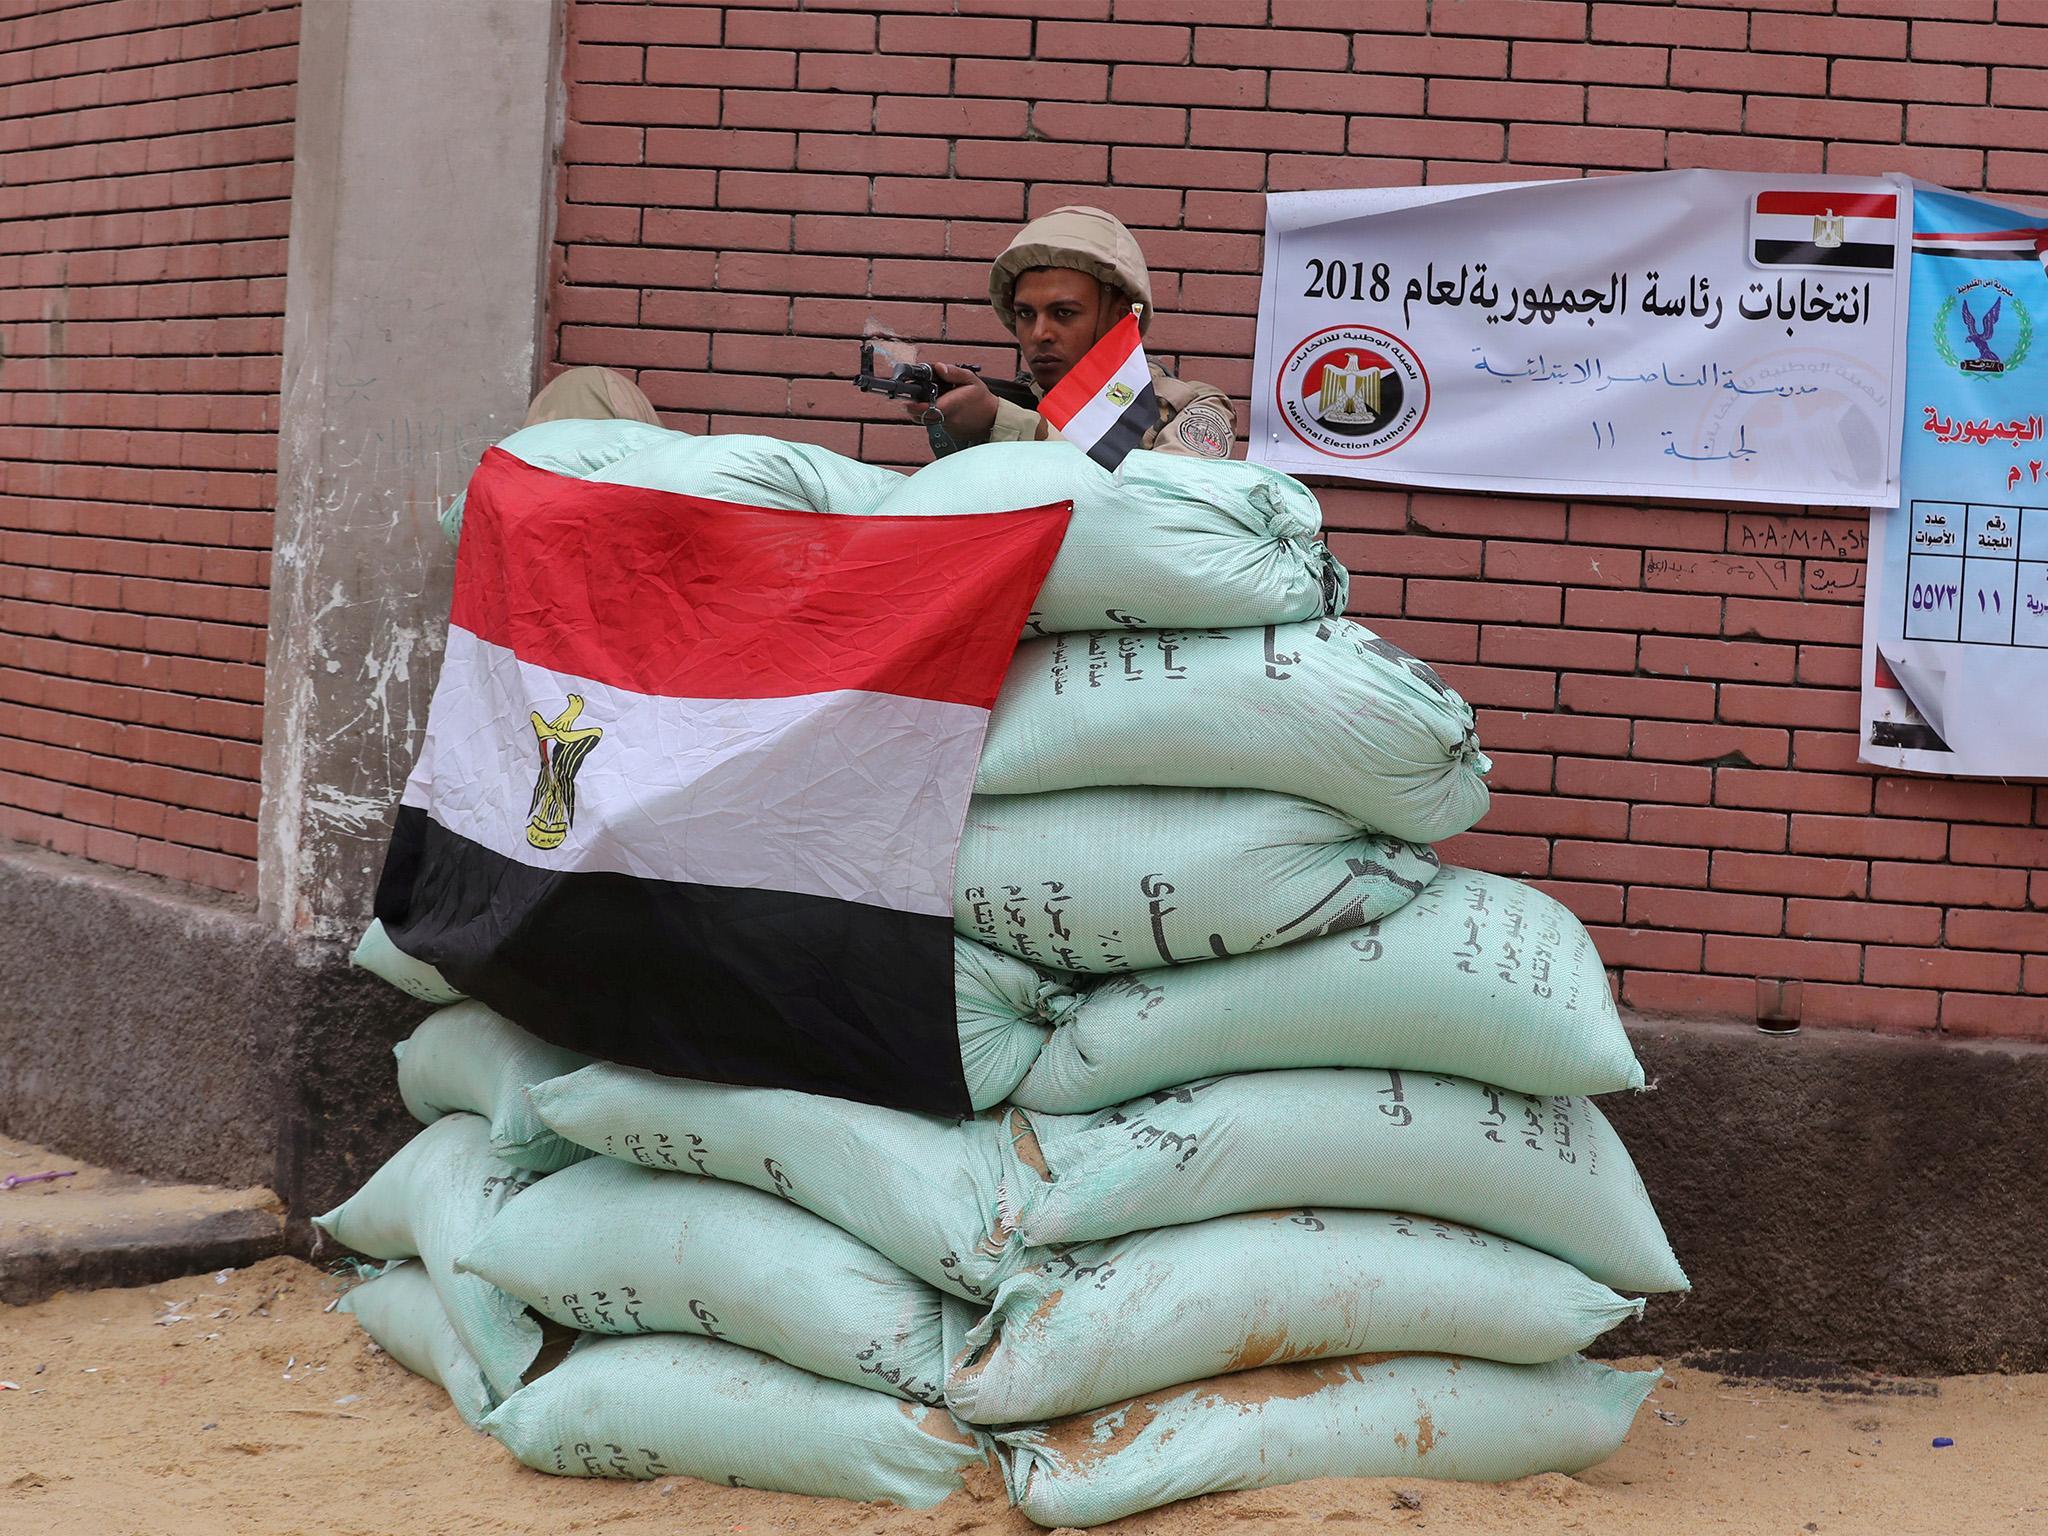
pixel 467 1058
pixel 1549 1172
pixel 430 1202
pixel 375 953
pixel 1371 1416
pixel 608 1247
pixel 401 1311
pixel 924 1191
pixel 665 1404
pixel 1108 880
pixel 1479 976
pixel 576 448
pixel 1096 1322
pixel 1167 542
pixel 1005 1011
pixel 755 472
pixel 1323 709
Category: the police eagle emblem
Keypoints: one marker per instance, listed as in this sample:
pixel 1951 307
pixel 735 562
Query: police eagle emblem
pixel 563 747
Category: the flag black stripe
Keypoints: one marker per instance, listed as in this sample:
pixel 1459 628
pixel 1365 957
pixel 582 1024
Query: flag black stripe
pixel 769 988
pixel 1127 431
pixel 1973 255
pixel 1805 253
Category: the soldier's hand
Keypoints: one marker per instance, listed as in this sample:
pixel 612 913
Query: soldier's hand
pixel 967 404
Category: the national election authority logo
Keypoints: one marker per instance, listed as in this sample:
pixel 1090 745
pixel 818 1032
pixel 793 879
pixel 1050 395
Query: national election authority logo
pixel 1983 328
pixel 1353 391
pixel 563 747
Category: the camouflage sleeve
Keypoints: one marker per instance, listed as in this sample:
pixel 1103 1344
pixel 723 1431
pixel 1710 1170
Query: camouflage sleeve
pixel 1014 424
pixel 1203 428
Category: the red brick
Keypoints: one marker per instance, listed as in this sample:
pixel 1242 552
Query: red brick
pixel 1888 1009
pixel 1863 837
pixel 1546 732
pixel 1521 857
pixel 1031 79
pixel 1789 874
pixel 1674 656
pixel 1989 1018
pixel 1658 698
pixel 1178 85
pixel 1665 107
pixel 2011 848
pixel 1948 884
pixel 1647 948
pixel 1944 968
pixel 1114 42
pixel 1717 745
pixel 1629 864
pixel 1690 996
pixel 1862 921
pixel 1826 793
pixel 1514 100
pixel 1706 827
pixel 1406 554
pixel 1955 800
pixel 1508 516
pixel 1745 152
pixel 1588 902
pixel 1393 55
pixel 1605 64
pixel 1705 911
pixel 1553 815
pixel 1884 80
pixel 1434 643
pixel 1829 36
pixel 1970 44
pixel 1792 959
pixel 2021 932
pixel 1645 611
pixel 1270 47
pixel 983 37
pixel 1497 601
pixel 1573 564
pixel 1584 650
pixel 1510 18
pixel 1503 687
pixel 1681 25
pixel 1663 782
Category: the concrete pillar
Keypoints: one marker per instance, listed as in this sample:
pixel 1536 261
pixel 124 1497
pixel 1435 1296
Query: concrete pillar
pixel 422 210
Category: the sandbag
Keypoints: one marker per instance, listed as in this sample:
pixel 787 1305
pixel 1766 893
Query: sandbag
pixel 467 1058
pixel 430 1202
pixel 1479 976
pixel 666 1404
pixel 756 472
pixel 1096 1322
pixel 924 1191
pixel 1167 542
pixel 1549 1172
pixel 375 953
pixel 1323 709
pixel 400 1309
pixel 1104 880
pixel 1371 1416
pixel 570 447
pixel 608 1247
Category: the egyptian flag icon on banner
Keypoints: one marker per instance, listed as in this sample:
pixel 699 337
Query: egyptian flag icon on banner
pixel 695 775
pixel 1825 231
pixel 1105 405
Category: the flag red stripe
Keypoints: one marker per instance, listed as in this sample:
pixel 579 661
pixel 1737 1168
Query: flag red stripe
pixel 1086 378
pixel 683 597
pixel 1850 205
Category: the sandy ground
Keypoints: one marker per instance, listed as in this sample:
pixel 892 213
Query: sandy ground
pixel 233 1405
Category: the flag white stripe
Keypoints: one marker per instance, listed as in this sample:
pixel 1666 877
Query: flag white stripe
pixel 1795 226
pixel 1101 413
pixel 854 795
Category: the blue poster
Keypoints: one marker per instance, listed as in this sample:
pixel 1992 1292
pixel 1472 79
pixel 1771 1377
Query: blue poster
pixel 1955 626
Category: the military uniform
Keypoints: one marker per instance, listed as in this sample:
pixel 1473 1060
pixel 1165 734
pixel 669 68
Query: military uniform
pixel 1194 418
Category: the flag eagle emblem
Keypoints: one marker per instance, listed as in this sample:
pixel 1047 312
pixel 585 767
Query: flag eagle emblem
pixel 562 750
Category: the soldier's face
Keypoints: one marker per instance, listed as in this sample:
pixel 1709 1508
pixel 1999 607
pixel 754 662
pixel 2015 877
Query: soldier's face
pixel 1060 315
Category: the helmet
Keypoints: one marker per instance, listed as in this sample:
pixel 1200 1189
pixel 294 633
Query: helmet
pixel 1083 240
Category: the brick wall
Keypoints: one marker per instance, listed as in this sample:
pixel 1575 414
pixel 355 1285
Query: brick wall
pixel 1668 691
pixel 145 179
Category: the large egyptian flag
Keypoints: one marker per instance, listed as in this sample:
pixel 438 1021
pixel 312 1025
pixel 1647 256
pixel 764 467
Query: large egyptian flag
pixel 1105 405
pixel 695 774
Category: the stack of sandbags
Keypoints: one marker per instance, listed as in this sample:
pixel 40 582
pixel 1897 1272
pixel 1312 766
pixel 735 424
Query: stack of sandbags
pixel 1283 1164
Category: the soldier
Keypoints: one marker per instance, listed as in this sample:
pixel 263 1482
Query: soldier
pixel 1061 284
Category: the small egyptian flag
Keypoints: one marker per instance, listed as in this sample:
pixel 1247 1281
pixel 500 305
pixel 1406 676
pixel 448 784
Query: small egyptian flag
pixel 1985 245
pixel 1105 404
pixel 695 774
pixel 1826 231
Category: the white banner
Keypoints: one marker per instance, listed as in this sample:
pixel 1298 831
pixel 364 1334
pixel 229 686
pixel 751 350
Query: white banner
pixel 1955 617
pixel 1675 334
